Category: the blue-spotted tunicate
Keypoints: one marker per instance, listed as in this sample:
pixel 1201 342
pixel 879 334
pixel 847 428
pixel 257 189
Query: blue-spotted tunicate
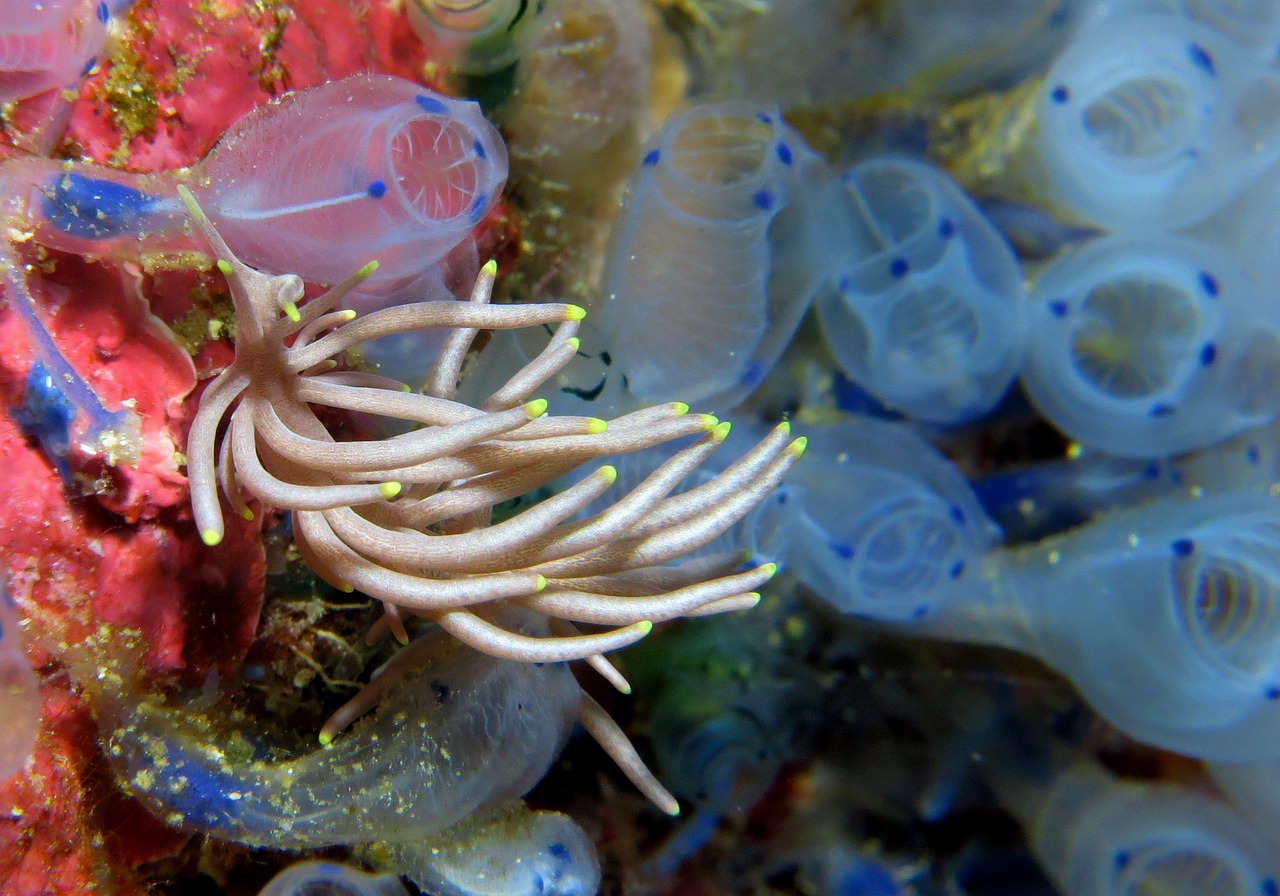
pixel 929 311
pixel 464 733
pixel 1153 121
pixel 1166 617
pixel 1151 346
pixel 728 230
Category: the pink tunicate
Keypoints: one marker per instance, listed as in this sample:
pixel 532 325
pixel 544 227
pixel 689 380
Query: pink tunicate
pixel 368 167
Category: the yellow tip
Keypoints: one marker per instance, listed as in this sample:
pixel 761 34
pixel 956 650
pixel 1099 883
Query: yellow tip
pixel 574 312
pixel 490 268
pixel 756 599
pixel 720 431
pixel 798 446
pixel 346 587
pixel 609 474
pixel 574 343
pixel 536 408
pixel 784 426
pixel 211 537
pixel 225 267
pixel 645 627
pixel 710 421
pixel 247 514
pixel 624 688
pixel 405 387
pixel 291 312
pixel 325 738
pixel 367 270
pixel 770 569
pixel 401 636
pixel 390 489
pixel 541 584
pixel 595 426
pixel 349 314
pixel 679 408
pixel 673 810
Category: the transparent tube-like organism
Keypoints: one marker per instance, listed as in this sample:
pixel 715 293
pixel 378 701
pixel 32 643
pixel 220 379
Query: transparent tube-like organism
pixel 929 314
pixel 315 878
pixel 885 526
pixel 1151 346
pixel 1166 618
pixel 1154 121
pixel 474 36
pixel 19 693
pixel 1096 835
pixel 464 734
pixel 511 852
pixel 392 170
pixel 582 79
pixel 728 230
pixel 48 44
pixel 370 166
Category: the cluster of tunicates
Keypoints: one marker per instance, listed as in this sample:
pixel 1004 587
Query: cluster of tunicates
pixel 1139 562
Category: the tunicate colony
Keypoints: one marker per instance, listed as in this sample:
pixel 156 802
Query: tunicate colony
pixel 750 271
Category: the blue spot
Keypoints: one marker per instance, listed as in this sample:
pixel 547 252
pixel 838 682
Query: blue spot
pixel 1273 693
pixel 899 267
pixel 946 229
pixel 477 208
pixel 1060 94
pixel 842 549
pixel 1183 547
pixel 95 209
pixel 431 105
pixel 765 117
pixel 1059 308
pixel 377 189
pixel 763 199
pixel 1152 470
pixel 558 850
pixel 651 157
pixel 1269 886
pixel 1200 56
pixel 479 150
pixel 1253 454
pixel 920 612
pixel 1162 410
pixel 104 12
pixel 1122 859
pixel 843 283
pixel 957 514
pixel 784 153
pixel 46 414
pixel 957 569
pixel 1208 283
pixel 753 376
pixel 1208 353
pixel 782 498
